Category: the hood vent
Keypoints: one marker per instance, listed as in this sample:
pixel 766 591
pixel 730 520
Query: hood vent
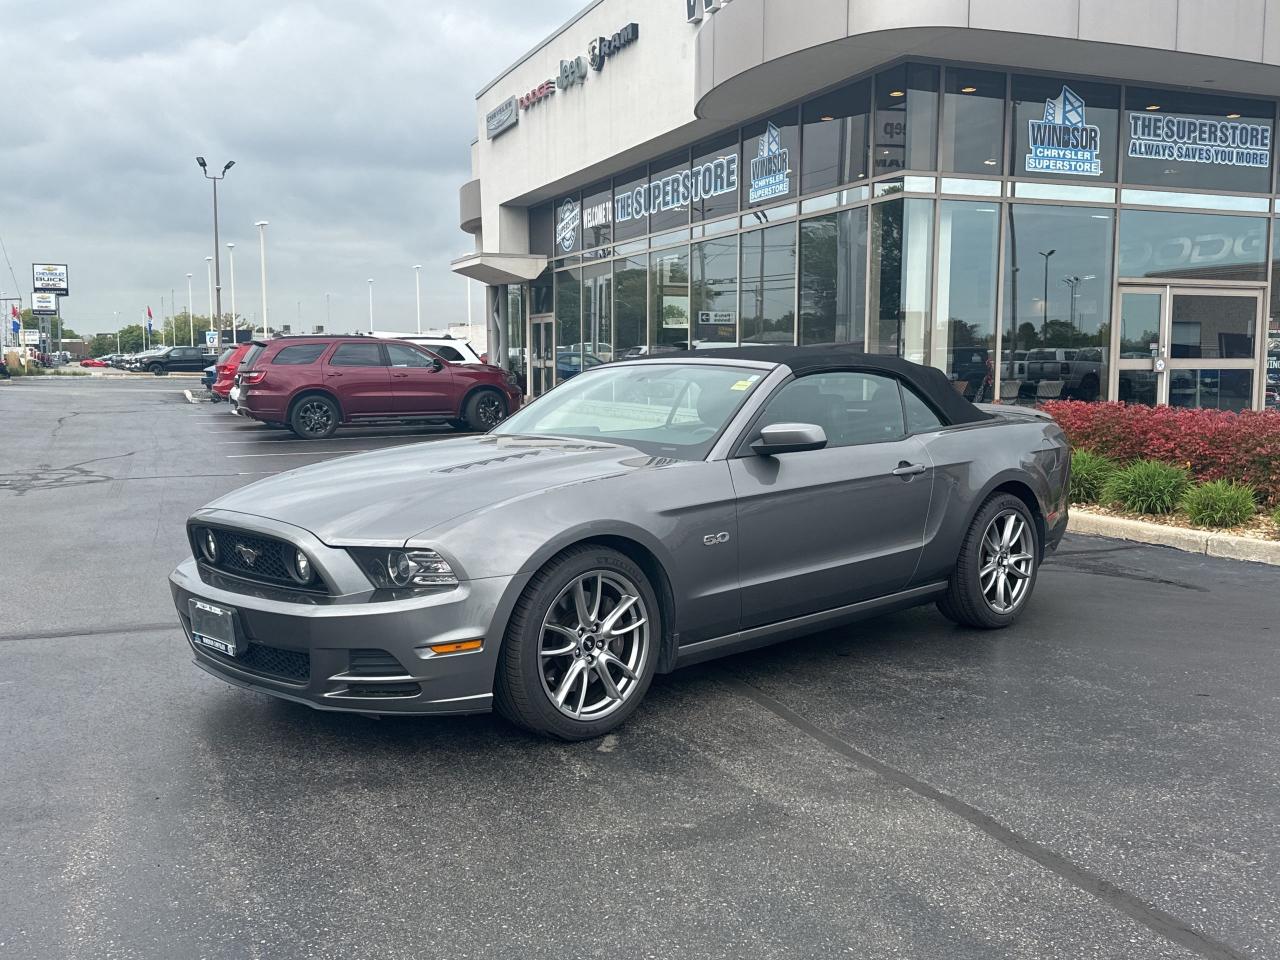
pixel 490 461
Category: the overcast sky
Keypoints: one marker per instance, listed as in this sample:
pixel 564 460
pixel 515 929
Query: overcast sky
pixel 350 123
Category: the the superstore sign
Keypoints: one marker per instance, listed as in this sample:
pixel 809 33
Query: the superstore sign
pixel 1194 140
pixel 1064 142
pixel 706 180
pixel 770 168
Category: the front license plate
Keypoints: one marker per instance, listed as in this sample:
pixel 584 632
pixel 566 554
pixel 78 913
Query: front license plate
pixel 214 627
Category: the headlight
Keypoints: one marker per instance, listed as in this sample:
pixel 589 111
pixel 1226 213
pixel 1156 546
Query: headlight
pixel 300 568
pixel 208 545
pixel 405 569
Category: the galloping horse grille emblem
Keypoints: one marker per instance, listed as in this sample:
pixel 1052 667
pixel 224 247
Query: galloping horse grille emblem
pixel 247 554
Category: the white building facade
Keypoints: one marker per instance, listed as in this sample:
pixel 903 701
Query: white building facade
pixel 1071 199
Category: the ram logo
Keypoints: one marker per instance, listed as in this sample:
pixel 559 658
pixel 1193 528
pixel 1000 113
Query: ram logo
pixel 712 539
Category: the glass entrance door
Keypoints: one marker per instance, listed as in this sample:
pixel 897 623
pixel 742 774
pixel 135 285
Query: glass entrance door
pixel 542 353
pixel 1188 346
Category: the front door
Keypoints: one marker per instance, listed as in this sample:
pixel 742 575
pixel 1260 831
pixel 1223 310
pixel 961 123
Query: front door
pixel 419 385
pixel 1188 346
pixel 821 529
pixel 542 354
pixel 358 376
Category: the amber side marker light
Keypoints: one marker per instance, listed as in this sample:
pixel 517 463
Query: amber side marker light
pixel 462 646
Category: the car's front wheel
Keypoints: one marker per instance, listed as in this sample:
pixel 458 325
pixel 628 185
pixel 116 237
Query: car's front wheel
pixel 485 410
pixel 581 647
pixel 996 571
pixel 314 417
pixel 156 369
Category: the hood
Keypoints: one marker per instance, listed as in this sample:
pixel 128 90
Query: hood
pixel 389 496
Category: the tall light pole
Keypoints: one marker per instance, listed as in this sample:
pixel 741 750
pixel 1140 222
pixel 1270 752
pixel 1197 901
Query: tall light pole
pixel 190 316
pixel 231 262
pixel 262 266
pixel 328 319
pixel 208 262
pixel 217 265
pixel 417 292
pixel 371 304
pixel 1044 320
pixel 116 314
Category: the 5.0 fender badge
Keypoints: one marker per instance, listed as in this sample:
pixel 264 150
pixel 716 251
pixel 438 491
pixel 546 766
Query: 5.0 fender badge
pixel 712 539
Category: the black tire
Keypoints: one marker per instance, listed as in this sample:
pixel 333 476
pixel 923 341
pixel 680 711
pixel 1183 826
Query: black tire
pixel 522 690
pixel 966 602
pixel 314 417
pixel 155 369
pixel 485 410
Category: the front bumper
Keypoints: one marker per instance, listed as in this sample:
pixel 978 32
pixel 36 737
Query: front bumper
pixel 356 655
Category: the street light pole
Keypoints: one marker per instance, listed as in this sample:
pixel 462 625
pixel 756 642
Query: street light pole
pixel 208 262
pixel 231 262
pixel 190 317
pixel 417 293
pixel 1044 319
pixel 371 304
pixel 328 325
pixel 217 260
pixel 116 314
pixel 262 266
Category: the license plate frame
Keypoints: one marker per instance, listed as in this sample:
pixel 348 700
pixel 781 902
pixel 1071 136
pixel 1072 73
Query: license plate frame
pixel 216 628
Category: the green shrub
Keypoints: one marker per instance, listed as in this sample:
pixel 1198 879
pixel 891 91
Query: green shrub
pixel 1147 486
pixel 1220 503
pixel 1275 516
pixel 1089 474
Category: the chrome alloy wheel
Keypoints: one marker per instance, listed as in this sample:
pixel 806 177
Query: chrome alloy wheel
pixel 315 416
pixel 1008 561
pixel 593 645
pixel 489 410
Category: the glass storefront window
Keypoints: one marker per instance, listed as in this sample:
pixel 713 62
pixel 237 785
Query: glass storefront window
pixel 906 124
pixel 1179 140
pixel 1064 129
pixel 770 159
pixel 630 297
pixel 597 311
pixel 964 337
pixel 1057 327
pixel 1212 327
pixel 1139 386
pixel 1211 389
pixel 901 272
pixel 833 274
pixel 567 220
pixel 1192 246
pixel 568 321
pixel 972 121
pixel 769 286
pixel 541 293
pixel 541 232
pixel 669 299
pixel 630 216
pixel 515 359
pixel 597 217
pixel 835 137
pixel 1140 325
pixel 714 177
pixel 668 202
pixel 713 292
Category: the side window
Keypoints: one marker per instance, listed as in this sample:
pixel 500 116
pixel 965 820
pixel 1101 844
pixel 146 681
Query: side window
pixel 920 416
pixel 357 355
pixel 448 353
pixel 852 408
pixel 402 356
pixel 299 354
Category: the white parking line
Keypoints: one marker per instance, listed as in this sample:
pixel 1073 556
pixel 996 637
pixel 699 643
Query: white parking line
pixel 296 453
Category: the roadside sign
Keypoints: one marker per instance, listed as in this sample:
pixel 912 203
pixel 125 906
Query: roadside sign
pixel 50 278
pixel 31 338
pixel 211 338
pixel 44 304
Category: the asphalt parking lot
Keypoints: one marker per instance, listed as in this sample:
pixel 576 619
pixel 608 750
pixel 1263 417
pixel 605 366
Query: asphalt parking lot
pixel 1099 781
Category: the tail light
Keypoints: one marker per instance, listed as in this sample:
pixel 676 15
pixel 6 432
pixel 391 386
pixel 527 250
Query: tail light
pixel 253 377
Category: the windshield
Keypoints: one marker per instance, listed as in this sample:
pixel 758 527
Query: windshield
pixel 663 409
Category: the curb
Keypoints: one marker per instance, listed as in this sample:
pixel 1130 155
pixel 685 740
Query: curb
pixel 1224 545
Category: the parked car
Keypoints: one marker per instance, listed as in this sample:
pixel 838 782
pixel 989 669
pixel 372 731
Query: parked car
pixel 92 362
pixel 569 363
pixel 225 368
pixel 207 380
pixel 1078 370
pixel 314 384
pixel 172 360
pixel 453 349
pixel 646 515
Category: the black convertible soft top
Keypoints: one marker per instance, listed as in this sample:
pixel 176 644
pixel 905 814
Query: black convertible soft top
pixel 932 384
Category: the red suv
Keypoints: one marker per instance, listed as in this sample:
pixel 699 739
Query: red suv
pixel 314 384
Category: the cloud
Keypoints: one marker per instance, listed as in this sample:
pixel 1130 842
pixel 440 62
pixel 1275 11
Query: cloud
pixel 350 123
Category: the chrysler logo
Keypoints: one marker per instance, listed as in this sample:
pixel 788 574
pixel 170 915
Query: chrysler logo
pixel 247 554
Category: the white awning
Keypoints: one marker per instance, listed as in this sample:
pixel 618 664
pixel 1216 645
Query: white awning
pixel 499 268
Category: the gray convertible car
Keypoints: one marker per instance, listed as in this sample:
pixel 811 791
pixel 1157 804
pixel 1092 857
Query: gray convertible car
pixel 645 515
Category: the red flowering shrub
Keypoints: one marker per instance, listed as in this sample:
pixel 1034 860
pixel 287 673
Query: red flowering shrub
pixel 1212 444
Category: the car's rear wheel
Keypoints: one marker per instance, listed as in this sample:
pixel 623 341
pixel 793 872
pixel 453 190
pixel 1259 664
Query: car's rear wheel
pixel 997 567
pixel 156 369
pixel 581 647
pixel 485 410
pixel 314 417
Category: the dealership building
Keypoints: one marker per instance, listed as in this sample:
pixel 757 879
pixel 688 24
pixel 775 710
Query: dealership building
pixel 1071 199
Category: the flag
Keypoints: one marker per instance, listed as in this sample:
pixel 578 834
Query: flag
pixel 148 319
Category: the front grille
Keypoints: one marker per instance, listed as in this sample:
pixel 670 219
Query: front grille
pixel 252 557
pixel 292 666
pixel 374 663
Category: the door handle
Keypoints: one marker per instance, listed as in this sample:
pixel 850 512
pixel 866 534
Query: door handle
pixel 400 376
pixel 905 469
pixel 332 374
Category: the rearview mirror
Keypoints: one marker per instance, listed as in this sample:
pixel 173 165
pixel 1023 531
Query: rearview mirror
pixel 789 438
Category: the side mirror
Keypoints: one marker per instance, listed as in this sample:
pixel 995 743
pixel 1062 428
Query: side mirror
pixel 789 438
pixel 436 364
